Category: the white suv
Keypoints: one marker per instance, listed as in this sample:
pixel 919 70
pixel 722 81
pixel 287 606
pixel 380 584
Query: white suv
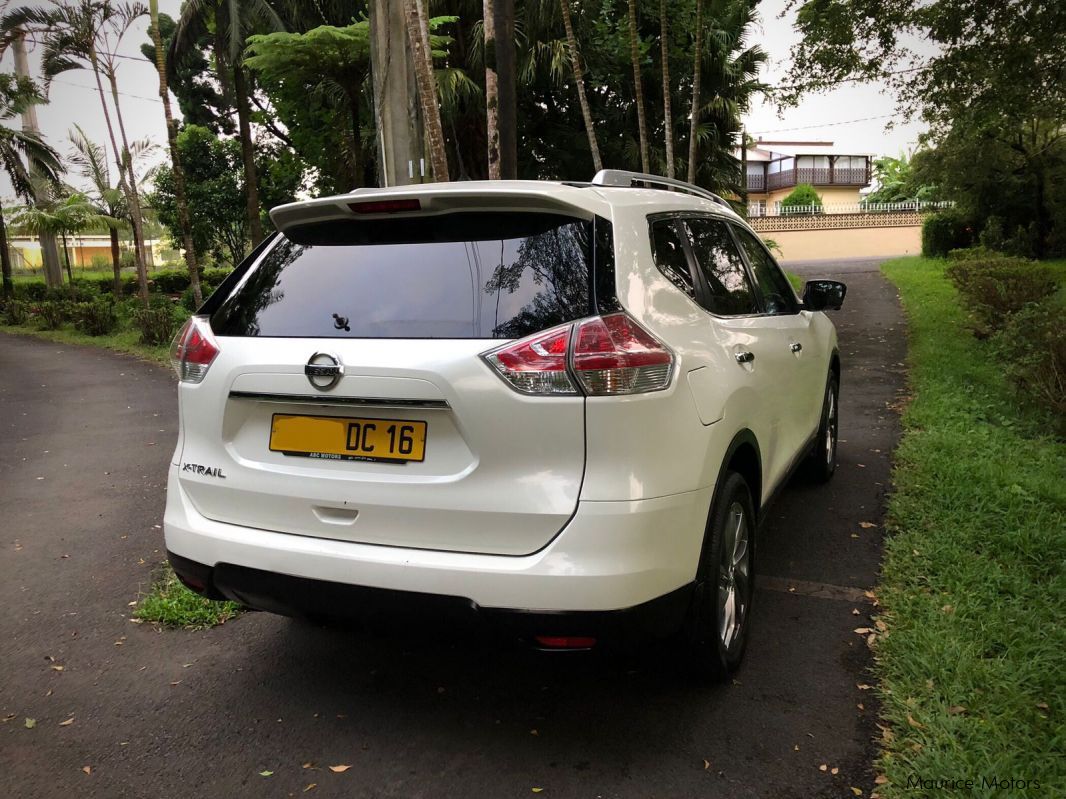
pixel 558 407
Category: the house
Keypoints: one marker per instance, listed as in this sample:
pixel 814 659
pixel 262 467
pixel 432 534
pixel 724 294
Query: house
pixel 774 168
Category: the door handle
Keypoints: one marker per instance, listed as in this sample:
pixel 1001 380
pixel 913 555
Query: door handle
pixel 795 346
pixel 745 357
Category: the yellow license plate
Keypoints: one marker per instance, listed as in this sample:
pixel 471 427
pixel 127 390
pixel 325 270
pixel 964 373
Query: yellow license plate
pixel 348 439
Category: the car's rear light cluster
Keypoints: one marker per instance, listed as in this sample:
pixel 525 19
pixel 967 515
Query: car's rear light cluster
pixel 600 356
pixel 194 350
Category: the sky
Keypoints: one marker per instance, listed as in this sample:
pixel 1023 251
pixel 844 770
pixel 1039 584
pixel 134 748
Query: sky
pixel 833 116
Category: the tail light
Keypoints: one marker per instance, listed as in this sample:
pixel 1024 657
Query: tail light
pixel 600 356
pixel 194 350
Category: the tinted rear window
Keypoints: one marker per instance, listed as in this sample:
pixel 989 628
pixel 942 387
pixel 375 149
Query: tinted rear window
pixel 476 275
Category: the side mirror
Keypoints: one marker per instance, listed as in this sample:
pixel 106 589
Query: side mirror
pixel 823 295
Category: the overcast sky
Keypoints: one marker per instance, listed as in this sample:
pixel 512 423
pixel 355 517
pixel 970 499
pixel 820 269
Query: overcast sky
pixel 829 117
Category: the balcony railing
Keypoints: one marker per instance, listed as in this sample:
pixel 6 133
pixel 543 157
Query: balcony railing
pixel 760 208
pixel 816 176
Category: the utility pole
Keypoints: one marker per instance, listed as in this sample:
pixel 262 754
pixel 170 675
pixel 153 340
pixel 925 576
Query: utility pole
pixel 53 274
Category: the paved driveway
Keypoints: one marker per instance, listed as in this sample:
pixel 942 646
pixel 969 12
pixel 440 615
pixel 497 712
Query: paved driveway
pixel 85 437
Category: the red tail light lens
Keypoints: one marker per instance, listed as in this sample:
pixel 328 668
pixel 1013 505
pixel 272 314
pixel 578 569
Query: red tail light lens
pixel 536 364
pixel 194 350
pixel 614 355
pixel 609 355
pixel 565 641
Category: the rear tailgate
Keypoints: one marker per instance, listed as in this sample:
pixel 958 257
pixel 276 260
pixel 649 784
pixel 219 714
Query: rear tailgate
pixel 497 471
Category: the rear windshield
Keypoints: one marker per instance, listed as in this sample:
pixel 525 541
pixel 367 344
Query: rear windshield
pixel 471 275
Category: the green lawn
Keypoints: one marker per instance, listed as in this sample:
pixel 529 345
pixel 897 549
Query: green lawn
pixel 973 668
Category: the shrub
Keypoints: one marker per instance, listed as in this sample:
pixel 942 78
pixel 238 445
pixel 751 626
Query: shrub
pixel 210 278
pixel 802 200
pixel 1033 345
pixel 171 281
pixel 96 318
pixel 157 324
pixel 994 289
pixel 16 312
pixel 32 290
pixel 188 301
pixel 943 232
pixel 992 237
pixel 51 314
pixel 978 253
pixel 100 263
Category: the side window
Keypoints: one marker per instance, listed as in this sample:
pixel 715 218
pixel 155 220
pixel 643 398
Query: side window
pixel 670 255
pixel 728 288
pixel 778 296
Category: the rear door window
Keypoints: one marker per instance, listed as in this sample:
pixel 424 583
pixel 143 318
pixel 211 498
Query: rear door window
pixel 728 291
pixel 474 275
pixel 669 255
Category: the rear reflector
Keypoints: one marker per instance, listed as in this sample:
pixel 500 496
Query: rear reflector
pixel 608 355
pixel 385 206
pixel 194 350
pixel 565 641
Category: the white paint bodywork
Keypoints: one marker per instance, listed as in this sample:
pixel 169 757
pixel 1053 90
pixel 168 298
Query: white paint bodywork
pixel 541 503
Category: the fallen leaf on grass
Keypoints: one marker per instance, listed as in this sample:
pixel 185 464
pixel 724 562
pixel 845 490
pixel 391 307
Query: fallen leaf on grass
pixel 30 723
pixel 67 723
pixel 863 686
pixel 863 630
pixel 913 723
pixel 956 710
pixel 266 773
pixel 880 779
pixel 1043 706
pixel 339 769
pixel 866 525
pixel 87 769
pixel 856 791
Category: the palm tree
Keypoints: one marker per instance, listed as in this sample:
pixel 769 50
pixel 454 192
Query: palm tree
pixel 175 165
pixel 697 52
pixel 85 34
pixel 65 212
pixel 15 145
pixel 638 87
pixel 668 118
pixel 422 54
pixel 231 22
pixel 579 79
pixel 90 161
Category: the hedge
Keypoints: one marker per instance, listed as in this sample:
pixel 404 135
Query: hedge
pixel 166 281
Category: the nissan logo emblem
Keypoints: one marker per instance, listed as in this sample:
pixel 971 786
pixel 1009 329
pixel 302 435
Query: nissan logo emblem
pixel 324 370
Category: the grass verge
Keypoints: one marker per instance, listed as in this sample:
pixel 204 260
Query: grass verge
pixel 127 341
pixel 170 603
pixel 974 663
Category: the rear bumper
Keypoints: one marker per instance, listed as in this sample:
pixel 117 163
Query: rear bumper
pixel 419 612
pixel 611 556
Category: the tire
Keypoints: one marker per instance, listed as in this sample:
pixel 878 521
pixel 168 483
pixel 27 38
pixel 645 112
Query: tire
pixel 822 462
pixel 716 631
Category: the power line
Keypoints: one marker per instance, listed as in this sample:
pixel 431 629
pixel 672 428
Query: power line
pixel 824 124
pixel 94 90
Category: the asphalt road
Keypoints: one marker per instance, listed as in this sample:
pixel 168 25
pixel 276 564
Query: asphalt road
pixel 84 441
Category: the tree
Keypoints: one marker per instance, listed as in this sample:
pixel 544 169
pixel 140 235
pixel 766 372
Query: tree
pixel 328 66
pixel 579 81
pixel 418 37
pixel 85 34
pixel 230 22
pixel 990 71
pixel 19 149
pixel 65 213
pixel 175 157
pixel 638 90
pixel 668 122
pixel 90 161
pixel 694 114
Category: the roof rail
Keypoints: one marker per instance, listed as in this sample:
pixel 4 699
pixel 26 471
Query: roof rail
pixel 623 177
